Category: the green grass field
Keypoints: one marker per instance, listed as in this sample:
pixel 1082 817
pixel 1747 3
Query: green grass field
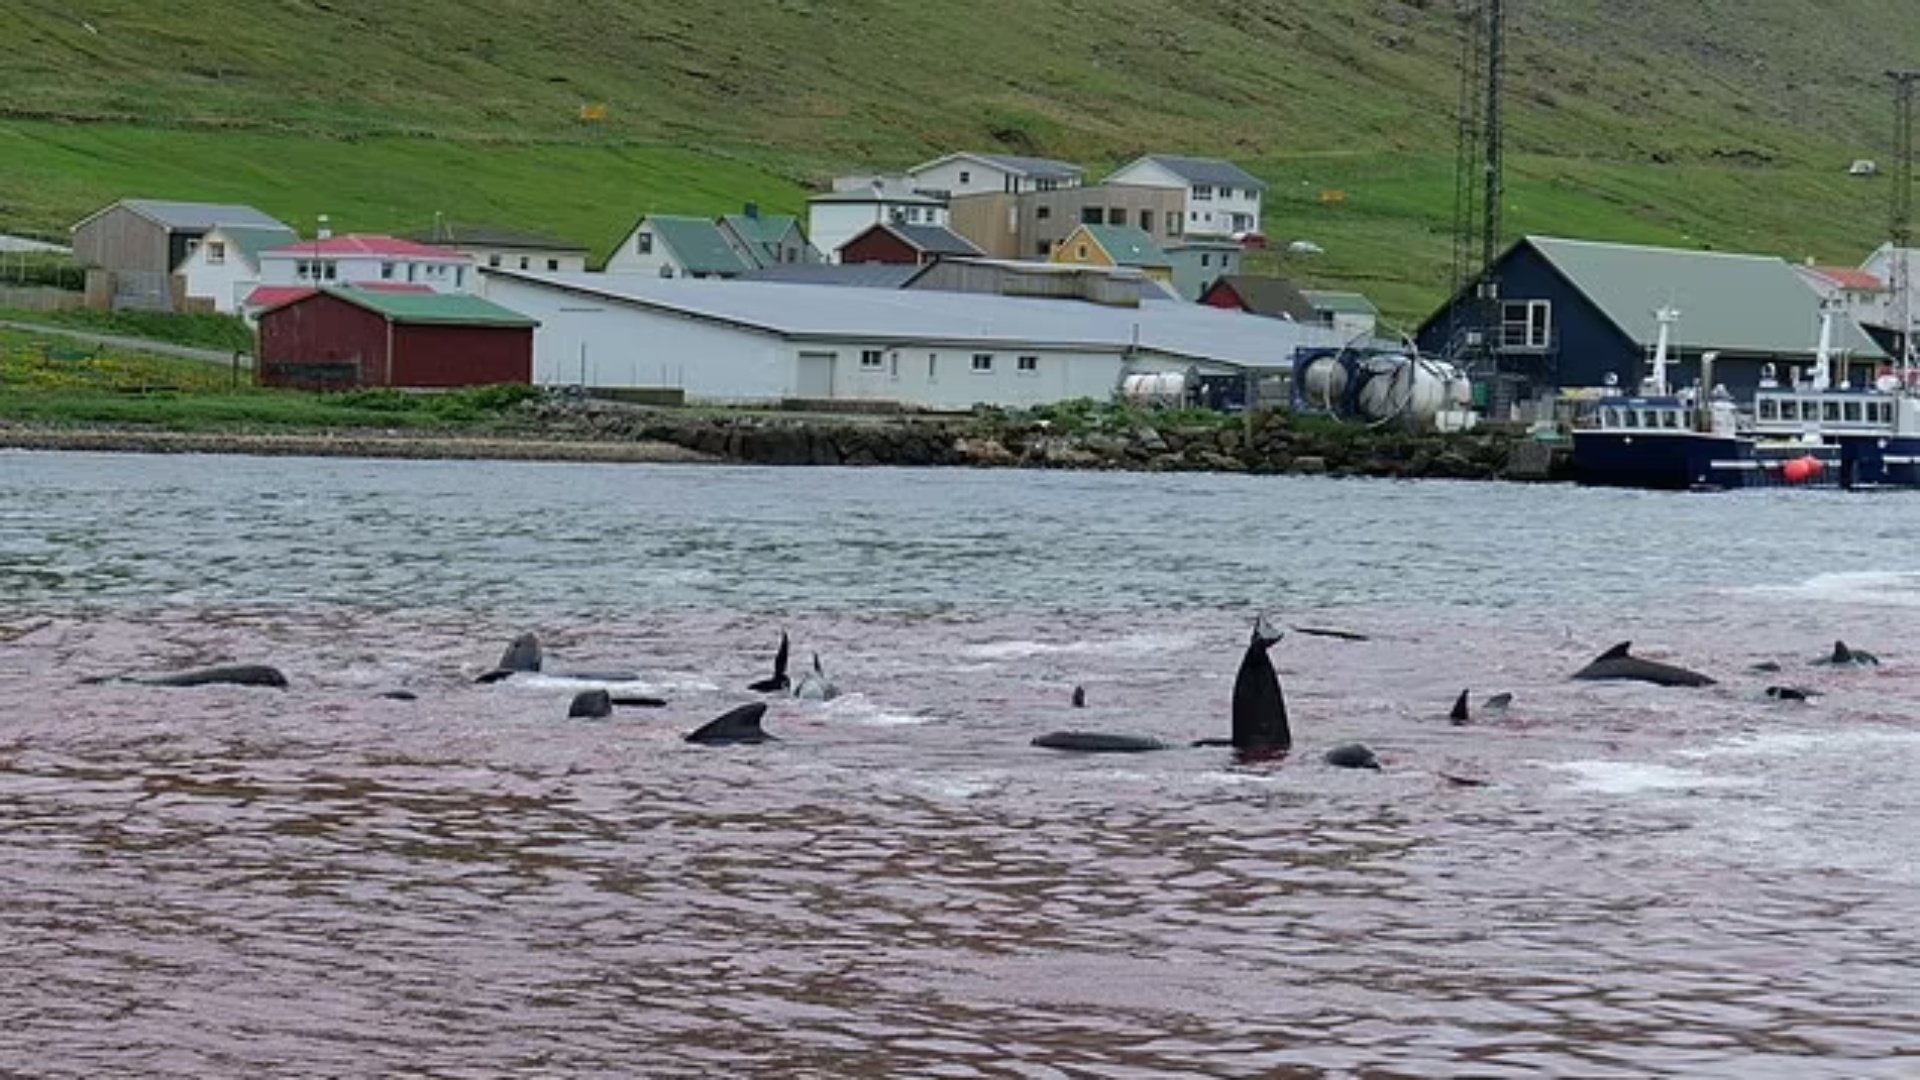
pixel 1712 123
pixel 52 379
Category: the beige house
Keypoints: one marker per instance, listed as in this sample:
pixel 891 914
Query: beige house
pixel 1029 225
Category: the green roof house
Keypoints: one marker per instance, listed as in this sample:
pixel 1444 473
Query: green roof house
pixel 672 246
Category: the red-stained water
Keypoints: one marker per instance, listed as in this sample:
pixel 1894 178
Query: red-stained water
pixel 320 881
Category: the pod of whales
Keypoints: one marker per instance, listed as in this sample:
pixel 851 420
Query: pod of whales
pixel 1461 715
pixel 1619 663
pixel 1259 718
pixel 223 675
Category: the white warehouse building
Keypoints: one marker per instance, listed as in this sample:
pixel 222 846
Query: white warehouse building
pixel 749 342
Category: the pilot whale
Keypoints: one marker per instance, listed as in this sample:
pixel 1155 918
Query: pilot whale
pixel 734 727
pixel 778 681
pixel 1619 663
pixel 524 656
pixel 1843 656
pixel 223 675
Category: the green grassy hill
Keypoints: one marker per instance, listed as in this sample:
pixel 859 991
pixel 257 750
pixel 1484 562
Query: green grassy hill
pixel 1713 122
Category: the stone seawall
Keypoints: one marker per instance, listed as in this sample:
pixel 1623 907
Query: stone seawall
pixel 1264 442
pixel 1267 442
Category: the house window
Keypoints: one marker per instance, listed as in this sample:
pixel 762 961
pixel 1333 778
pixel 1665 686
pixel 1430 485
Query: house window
pixel 1117 215
pixel 386 271
pixel 1526 324
pixel 1173 223
pixel 329 270
pixel 216 252
pixel 1042 213
pixel 965 176
pixel 643 243
pixel 983 363
pixel 523 262
pixel 1044 248
pixel 493 260
pixel 553 264
pixel 1080 252
pixel 459 276
pixel 872 360
pixel 1202 193
pixel 1146 221
pixel 1091 215
pixel 1028 365
pixel 933 367
pixel 303 269
pixel 1204 257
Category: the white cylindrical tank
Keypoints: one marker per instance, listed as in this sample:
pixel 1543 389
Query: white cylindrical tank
pixel 1412 388
pixel 1154 388
pixel 1324 383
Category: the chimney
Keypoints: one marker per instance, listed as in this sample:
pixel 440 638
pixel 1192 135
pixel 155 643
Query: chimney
pixel 753 210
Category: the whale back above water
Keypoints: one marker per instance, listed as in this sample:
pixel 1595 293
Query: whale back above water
pixel 1099 742
pixel 1843 656
pixel 815 686
pixel 591 704
pixel 221 675
pixel 1619 663
pixel 735 726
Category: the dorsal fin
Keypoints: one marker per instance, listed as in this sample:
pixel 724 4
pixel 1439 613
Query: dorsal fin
pixel 1079 697
pixel 1459 714
pixel 780 658
pixel 739 725
pixel 591 704
pixel 1259 702
pixel 1618 652
pixel 1842 654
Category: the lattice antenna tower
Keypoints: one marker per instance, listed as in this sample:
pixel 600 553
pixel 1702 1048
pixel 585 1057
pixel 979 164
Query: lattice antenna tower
pixel 1479 176
pixel 1900 227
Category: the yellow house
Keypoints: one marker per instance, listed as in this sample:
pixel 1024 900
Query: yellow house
pixel 1115 245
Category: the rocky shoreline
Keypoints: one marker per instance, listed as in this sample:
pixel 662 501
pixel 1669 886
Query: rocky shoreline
pixel 1264 443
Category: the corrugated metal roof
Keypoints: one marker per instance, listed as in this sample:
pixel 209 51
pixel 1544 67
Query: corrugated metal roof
pixel 857 275
pixel 1128 245
pixel 1337 302
pixel 886 195
pixel 1177 329
pixel 191 215
pixel 1271 296
pixel 698 244
pixel 438 309
pixel 1196 170
pixel 934 239
pixel 1738 303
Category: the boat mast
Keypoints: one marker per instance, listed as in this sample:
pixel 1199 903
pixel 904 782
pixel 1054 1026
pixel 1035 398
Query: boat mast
pixel 1901 231
pixel 1823 353
pixel 1655 384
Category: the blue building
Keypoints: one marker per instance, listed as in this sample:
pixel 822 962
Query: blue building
pixel 1580 313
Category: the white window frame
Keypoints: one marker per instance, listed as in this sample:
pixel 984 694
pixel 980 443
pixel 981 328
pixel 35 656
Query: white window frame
pixel 982 363
pixel 1027 365
pixel 872 359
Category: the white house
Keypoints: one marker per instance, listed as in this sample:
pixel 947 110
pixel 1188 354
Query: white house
pixel 1222 199
pixel 490 246
pixel 357 259
pixel 840 215
pixel 975 174
pixel 671 245
pixel 751 342
pixel 224 264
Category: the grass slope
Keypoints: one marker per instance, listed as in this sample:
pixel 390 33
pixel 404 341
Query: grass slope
pixel 1721 122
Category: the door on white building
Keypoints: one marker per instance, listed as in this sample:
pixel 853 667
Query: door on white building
pixel 815 375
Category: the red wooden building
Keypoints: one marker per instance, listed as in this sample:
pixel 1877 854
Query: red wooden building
pixel 905 245
pixel 345 338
